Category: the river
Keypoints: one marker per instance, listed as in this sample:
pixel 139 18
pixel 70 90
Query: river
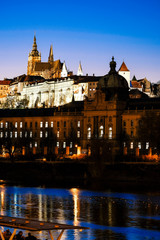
pixel 109 215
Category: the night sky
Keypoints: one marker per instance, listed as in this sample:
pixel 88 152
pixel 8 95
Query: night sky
pixel 87 31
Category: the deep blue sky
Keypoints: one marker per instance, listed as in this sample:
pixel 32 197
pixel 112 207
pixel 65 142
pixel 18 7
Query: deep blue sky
pixel 90 31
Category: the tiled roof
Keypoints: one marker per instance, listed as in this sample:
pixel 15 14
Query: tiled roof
pixel 5 82
pixel 123 68
pixel 135 84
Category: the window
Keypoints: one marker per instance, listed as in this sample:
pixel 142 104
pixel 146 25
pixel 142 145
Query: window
pixel 1 124
pixel 124 144
pixel 110 119
pixel 71 144
pixel 131 123
pixel 35 134
pixel 15 134
pixel 46 134
pixel 36 124
pixel 147 145
pixel 25 124
pixel 131 133
pixel 101 132
pixel 21 124
pixel 57 134
pixel 16 124
pixel 41 134
pixel 110 133
pixel 25 134
pixel 41 124
pixel 46 124
pixel 131 146
pixel 64 123
pixel 64 134
pixel 78 134
pixel 51 124
pixel 58 124
pixel 30 134
pixel 64 144
pixel 35 144
pixel 30 124
pixel 78 123
pixel 30 145
pixel 6 124
pixel 58 144
pixel 1 135
pixel 11 134
pixel 20 134
pixel 89 133
pixel 124 123
pixel 139 145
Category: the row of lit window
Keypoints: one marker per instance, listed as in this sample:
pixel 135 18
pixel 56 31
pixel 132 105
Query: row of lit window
pixel 132 123
pixel 101 132
pixel 139 145
pixel 45 124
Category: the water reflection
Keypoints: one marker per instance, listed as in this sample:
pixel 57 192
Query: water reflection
pixel 109 215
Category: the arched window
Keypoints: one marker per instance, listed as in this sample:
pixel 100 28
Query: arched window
pixel 101 131
pixel 89 132
pixel 110 133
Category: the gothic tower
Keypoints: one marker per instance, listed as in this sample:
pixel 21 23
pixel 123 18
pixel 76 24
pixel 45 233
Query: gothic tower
pixel 34 56
pixel 51 58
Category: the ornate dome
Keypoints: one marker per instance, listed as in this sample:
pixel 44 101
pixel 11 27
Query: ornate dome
pixel 114 85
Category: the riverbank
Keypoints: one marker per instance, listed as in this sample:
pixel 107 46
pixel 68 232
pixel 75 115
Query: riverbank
pixel 82 174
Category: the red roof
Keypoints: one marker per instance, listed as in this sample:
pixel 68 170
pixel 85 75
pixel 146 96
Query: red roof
pixel 123 68
pixel 4 82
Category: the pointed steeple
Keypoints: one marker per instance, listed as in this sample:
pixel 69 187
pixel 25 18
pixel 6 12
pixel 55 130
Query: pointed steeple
pixel 50 58
pixel 34 51
pixel 123 67
pixel 64 72
pixel 80 71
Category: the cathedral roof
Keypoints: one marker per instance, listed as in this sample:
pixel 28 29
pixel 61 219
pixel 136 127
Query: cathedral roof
pixel 42 66
pixel 123 68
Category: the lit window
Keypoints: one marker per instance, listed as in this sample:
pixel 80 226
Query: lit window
pixel 30 145
pixel 35 144
pixel 124 144
pixel 41 124
pixel 46 134
pixel 147 145
pixel 30 134
pixel 6 124
pixel 93 89
pixel 57 134
pixel 58 144
pixel 78 123
pixel 89 133
pixel 46 124
pixel 51 124
pixel 15 134
pixel 1 124
pixel 110 133
pixel 11 134
pixel 41 134
pixel 131 146
pixel 1 134
pixel 139 145
pixel 101 132
pixel 16 124
pixel 64 144
pixel 78 134
pixel 25 134
pixel 71 144
pixel 20 134
pixel 21 124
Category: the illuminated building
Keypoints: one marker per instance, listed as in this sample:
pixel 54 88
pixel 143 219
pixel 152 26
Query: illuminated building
pixel 104 118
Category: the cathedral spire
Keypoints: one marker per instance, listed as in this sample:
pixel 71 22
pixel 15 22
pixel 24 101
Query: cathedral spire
pixel 80 72
pixel 50 58
pixel 34 51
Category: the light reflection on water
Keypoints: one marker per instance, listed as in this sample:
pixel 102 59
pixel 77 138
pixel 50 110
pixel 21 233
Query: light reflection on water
pixel 109 215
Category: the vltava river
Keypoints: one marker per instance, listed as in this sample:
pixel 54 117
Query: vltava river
pixel 109 215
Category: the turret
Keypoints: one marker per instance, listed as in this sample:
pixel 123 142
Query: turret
pixel 64 72
pixel 123 71
pixel 79 72
pixel 51 58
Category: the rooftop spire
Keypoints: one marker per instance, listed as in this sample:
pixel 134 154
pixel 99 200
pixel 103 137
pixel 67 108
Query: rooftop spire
pixel 34 51
pixel 112 66
pixel 64 72
pixel 50 58
pixel 123 67
pixel 80 71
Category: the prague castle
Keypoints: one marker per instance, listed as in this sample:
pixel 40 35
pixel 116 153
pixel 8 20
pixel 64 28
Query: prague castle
pixel 64 114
